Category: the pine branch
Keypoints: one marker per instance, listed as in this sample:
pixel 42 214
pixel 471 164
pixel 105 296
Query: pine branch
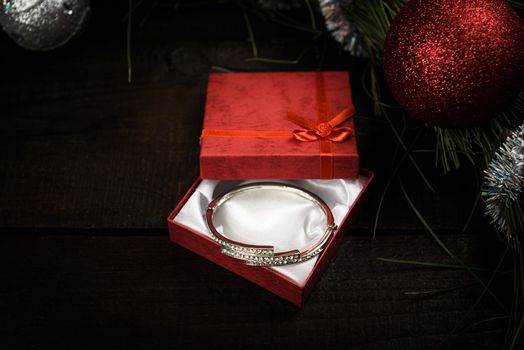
pixel 477 145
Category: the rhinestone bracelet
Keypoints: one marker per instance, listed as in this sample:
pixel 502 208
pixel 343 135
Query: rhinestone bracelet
pixel 264 255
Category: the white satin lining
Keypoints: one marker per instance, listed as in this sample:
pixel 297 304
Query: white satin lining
pixel 273 218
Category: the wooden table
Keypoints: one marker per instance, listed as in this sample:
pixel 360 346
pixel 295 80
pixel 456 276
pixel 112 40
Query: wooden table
pixel 91 165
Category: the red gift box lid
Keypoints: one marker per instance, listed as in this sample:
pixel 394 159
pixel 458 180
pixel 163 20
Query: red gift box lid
pixel 292 125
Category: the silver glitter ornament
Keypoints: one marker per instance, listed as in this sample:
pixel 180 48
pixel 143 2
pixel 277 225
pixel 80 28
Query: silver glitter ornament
pixel 43 24
pixel 504 182
pixel 335 13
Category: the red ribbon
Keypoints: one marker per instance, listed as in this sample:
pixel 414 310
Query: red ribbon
pixel 325 130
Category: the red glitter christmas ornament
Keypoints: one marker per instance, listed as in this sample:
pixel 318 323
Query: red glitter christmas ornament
pixel 455 63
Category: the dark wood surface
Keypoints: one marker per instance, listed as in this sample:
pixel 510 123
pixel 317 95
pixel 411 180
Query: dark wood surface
pixel 91 165
pixel 81 291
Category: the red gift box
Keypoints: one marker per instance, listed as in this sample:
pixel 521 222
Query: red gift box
pixel 267 277
pixel 278 126
pixel 275 126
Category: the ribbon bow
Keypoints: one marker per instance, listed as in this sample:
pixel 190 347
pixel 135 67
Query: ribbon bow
pixel 322 131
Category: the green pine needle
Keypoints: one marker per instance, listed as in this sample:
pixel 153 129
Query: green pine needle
pixel 431 264
pixel 477 145
pixel 128 42
pixel 441 244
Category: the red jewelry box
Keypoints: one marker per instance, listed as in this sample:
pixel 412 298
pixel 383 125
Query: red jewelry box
pixel 265 277
pixel 248 134
pixel 275 126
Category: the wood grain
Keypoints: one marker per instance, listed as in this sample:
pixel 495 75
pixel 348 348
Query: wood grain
pixel 141 292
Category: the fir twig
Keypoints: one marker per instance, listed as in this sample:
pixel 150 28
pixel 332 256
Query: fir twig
pixel 129 63
pixel 132 9
pixel 471 212
pixel 440 291
pixel 456 144
pixel 441 244
pixel 397 165
pixel 481 296
pixel 401 142
pixel 285 21
pixel 281 61
pixel 250 31
pixel 518 5
pixel 221 69
pixel 431 264
pixel 491 319
pixel 311 15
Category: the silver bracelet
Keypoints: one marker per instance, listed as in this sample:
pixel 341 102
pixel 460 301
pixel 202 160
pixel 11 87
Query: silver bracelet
pixel 264 255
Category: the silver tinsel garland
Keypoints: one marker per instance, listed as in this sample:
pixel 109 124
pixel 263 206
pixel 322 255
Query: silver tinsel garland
pixel 335 13
pixel 504 181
